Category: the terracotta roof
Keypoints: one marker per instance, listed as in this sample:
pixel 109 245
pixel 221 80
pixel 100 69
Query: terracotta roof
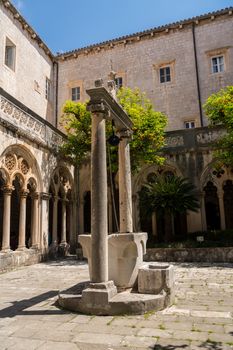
pixel 148 32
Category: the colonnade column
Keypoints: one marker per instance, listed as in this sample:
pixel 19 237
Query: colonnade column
pixel 35 221
pixel 7 191
pixel 125 191
pixel 99 221
pixel 22 220
pixel 63 233
pixel 221 209
pixel 54 233
pixel 203 212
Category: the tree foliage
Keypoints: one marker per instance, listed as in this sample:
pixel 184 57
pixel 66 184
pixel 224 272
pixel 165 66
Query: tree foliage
pixel 148 137
pixel 219 110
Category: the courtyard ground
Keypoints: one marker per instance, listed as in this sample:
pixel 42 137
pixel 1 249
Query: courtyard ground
pixel 201 318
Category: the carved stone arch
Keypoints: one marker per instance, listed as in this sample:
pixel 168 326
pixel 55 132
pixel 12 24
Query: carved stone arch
pixel 21 179
pixel 18 159
pixel 208 175
pixel 61 180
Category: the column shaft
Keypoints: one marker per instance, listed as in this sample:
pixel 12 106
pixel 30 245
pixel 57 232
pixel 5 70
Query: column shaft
pixel 22 220
pixel 6 219
pixel 99 200
pixel 54 233
pixel 35 222
pixel 125 191
pixel 222 212
pixel 63 233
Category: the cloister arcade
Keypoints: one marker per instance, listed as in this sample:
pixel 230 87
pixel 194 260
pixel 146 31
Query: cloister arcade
pixel 21 194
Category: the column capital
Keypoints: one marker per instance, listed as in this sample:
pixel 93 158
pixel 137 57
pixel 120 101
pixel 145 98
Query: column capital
pixel 45 196
pixel 23 193
pixel 8 189
pixel 99 108
pixel 125 134
pixel 35 195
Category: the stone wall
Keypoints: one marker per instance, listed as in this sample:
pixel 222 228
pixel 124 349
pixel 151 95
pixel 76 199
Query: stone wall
pixel 210 255
pixel 32 66
pixel 13 260
pixel 138 60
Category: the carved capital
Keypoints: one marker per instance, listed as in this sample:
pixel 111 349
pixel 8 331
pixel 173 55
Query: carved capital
pixel 125 134
pixel 23 193
pixel 8 190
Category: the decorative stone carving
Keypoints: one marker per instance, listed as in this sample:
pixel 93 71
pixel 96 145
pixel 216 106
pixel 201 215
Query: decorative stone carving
pixel 10 162
pixel 174 141
pixel 211 136
pixel 24 167
pixel 26 125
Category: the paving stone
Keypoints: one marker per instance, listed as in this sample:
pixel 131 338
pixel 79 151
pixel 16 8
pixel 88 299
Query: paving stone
pixel 136 342
pixel 98 338
pixel 58 346
pixel 30 319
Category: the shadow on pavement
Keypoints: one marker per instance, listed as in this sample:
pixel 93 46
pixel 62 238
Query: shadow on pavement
pixel 208 345
pixel 20 307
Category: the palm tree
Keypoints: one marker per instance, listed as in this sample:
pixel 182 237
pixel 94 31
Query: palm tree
pixel 168 195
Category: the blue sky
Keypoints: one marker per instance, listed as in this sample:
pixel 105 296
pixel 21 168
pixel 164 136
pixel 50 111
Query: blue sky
pixel 69 24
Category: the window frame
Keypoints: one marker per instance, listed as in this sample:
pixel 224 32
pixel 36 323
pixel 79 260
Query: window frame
pixel 117 79
pixel 165 74
pixel 48 89
pixel 10 44
pixel 77 94
pixel 218 64
pixel 189 122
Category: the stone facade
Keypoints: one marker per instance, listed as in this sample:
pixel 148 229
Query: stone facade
pixel 44 200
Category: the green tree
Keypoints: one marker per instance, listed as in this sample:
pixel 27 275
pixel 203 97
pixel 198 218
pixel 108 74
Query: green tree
pixel 168 195
pixel 148 137
pixel 219 110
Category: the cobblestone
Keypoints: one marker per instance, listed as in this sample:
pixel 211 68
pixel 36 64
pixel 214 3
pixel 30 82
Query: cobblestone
pixel 201 317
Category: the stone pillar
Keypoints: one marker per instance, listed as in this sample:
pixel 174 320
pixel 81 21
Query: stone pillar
pixel 221 209
pixel 22 220
pixel 125 191
pixel 7 191
pixel 35 222
pixel 154 223
pixel 203 213
pixel 99 225
pixel 54 233
pixel 63 232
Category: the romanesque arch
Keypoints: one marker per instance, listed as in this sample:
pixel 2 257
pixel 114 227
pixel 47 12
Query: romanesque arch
pixel 61 207
pixel 20 184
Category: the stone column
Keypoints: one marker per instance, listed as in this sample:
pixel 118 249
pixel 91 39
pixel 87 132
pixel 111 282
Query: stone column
pixel 221 209
pixel 7 191
pixel 54 233
pixel 99 226
pixel 35 221
pixel 154 223
pixel 22 220
pixel 203 213
pixel 63 232
pixel 125 191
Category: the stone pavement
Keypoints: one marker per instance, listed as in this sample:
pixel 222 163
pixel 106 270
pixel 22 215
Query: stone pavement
pixel 201 318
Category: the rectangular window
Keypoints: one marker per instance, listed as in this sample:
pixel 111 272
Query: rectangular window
pixel 47 89
pixel 119 82
pixel 10 50
pixel 217 64
pixel 189 125
pixel 165 74
pixel 75 93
